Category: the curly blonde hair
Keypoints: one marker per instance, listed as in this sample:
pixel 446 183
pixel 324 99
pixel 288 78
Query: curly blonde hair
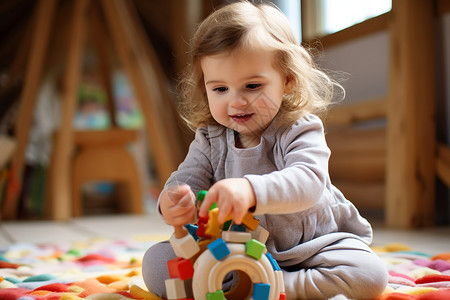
pixel 245 24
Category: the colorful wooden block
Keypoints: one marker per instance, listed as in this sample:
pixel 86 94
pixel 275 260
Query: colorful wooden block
pixel 273 262
pixel 201 196
pixel 219 249
pixel 280 280
pixel 261 291
pixel 180 268
pixel 236 236
pixel 201 231
pixel 203 220
pixel 175 288
pixel 227 225
pixel 260 234
pixel 250 221
pixel 192 230
pixel 254 248
pixel 236 227
pixel 218 295
pixel 185 247
pixel 213 226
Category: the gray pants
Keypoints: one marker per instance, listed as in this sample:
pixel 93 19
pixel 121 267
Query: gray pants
pixel 347 267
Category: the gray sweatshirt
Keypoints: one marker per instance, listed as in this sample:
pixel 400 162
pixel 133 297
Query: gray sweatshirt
pixel 288 171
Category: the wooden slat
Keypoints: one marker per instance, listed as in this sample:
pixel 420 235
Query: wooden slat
pixel 352 140
pixel 369 195
pixel 165 103
pixel 36 59
pixel 443 7
pixel 362 29
pixel 359 168
pixel 347 114
pixel 110 136
pixel 100 41
pixel 59 206
pixel 358 154
pixel 15 71
pixel 410 191
pixel 443 163
pixel 148 88
pixel 359 30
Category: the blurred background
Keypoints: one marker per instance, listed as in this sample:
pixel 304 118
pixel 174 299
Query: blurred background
pixel 88 122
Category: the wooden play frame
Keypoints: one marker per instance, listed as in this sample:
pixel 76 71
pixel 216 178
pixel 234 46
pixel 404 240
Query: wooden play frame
pixel 145 75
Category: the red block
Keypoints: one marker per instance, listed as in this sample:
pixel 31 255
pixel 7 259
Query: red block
pixel 282 296
pixel 201 230
pixel 180 268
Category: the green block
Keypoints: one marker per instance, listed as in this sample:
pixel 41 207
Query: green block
pixel 219 295
pixel 254 248
pixel 214 205
pixel 227 225
pixel 201 196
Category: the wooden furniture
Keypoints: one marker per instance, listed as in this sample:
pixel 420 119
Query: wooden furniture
pixel 399 162
pixel 102 156
pixel 121 29
pixel 358 157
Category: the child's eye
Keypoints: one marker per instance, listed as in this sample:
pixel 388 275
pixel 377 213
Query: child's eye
pixel 253 86
pixel 221 89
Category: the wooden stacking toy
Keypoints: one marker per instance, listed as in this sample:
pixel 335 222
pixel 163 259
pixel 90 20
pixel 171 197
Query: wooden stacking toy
pixel 209 251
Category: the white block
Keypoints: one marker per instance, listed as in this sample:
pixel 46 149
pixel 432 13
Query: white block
pixel 185 247
pixel 260 234
pixel 175 288
pixel 236 236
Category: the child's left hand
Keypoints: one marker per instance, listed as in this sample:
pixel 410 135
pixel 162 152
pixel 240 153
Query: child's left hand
pixel 234 197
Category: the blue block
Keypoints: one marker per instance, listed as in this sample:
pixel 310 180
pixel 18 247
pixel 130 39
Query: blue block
pixel 192 230
pixel 261 291
pixel 219 249
pixel 273 262
pixel 239 228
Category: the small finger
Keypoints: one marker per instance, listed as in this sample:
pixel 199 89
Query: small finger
pixel 224 211
pixel 206 204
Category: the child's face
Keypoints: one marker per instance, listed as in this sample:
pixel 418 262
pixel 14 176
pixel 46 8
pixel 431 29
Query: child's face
pixel 244 89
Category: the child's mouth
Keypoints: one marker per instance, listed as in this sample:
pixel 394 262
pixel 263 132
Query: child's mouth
pixel 241 118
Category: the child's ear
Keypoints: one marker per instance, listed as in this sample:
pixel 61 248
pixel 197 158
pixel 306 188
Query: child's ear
pixel 288 85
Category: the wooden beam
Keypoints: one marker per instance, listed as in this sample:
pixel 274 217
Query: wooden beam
pixel 443 163
pixel 59 206
pixel 358 155
pixel 410 190
pixel 148 88
pixel 367 195
pixel 100 41
pixel 44 17
pixel 185 17
pixel 370 26
pixel 443 7
pixel 348 114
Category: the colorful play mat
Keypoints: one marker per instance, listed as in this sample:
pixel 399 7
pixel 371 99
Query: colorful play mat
pixel 111 269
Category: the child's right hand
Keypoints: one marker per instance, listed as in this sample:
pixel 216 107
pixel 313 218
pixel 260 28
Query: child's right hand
pixel 177 205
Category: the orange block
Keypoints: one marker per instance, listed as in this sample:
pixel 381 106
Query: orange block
pixel 250 221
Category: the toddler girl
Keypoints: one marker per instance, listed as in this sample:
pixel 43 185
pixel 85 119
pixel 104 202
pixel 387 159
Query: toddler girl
pixel 252 94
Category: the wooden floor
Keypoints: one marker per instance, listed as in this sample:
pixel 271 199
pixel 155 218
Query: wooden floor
pixel 432 241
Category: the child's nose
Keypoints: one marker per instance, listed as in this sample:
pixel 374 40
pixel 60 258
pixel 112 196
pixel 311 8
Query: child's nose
pixel 239 100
